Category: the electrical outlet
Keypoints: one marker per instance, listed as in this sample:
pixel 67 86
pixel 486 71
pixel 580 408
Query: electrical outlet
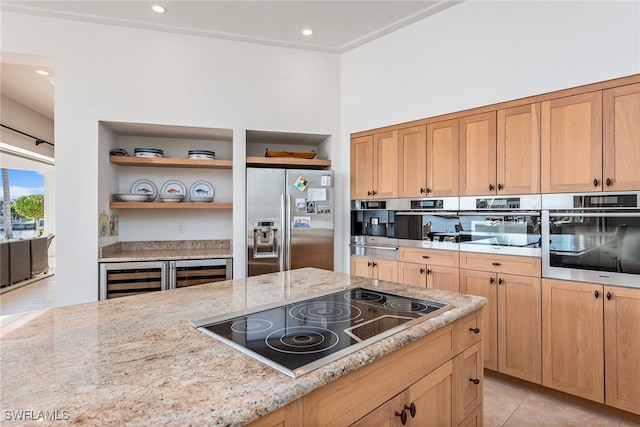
pixel 180 227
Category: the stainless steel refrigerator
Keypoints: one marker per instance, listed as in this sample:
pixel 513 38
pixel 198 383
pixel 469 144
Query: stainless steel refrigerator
pixel 289 219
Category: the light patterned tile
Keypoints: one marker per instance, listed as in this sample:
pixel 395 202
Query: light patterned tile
pixel 501 399
pixel 542 410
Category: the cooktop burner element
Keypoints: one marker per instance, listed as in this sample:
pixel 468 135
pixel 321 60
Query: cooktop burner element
pixel 307 333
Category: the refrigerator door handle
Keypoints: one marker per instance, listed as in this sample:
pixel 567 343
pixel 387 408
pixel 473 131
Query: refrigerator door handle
pixel 288 232
pixel 283 232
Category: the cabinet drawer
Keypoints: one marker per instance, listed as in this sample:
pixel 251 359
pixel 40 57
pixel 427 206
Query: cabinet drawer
pixel 524 266
pixel 429 256
pixel 468 330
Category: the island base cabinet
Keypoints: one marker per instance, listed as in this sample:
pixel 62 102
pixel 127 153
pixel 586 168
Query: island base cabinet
pixel 428 402
pixel 470 381
pixel 287 416
pixel 475 418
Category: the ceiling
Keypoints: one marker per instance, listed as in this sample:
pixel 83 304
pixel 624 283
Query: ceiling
pixel 338 27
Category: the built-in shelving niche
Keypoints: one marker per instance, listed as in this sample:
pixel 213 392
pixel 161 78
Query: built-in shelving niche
pixel 259 141
pixel 164 220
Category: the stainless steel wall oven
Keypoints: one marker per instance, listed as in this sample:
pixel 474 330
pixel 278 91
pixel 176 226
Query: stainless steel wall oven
pixel 507 225
pixel 373 229
pixel 592 237
pixel 427 223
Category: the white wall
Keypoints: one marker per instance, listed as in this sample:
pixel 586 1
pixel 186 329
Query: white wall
pixel 482 52
pixel 122 74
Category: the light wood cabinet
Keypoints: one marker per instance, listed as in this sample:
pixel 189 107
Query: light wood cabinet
pixel 572 343
pixel 374 166
pixel 469 366
pixel 374 268
pixel 587 327
pixel 512 321
pixel 518 150
pixel 428 402
pixel 429 268
pixel 571 140
pixel 622 348
pixel 621 138
pixel 477 170
pixel 442 158
pixel 412 162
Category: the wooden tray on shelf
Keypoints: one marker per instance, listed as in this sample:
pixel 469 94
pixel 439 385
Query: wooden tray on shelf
pixel 296 154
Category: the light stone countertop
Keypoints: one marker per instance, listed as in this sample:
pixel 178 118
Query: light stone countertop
pixel 138 361
pixel 170 250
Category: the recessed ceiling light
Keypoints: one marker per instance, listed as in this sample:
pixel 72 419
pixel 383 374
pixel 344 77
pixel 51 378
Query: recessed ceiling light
pixel 158 8
pixel 307 32
pixel 42 72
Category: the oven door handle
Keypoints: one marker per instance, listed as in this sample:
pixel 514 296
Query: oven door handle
pixel 634 214
pixel 505 213
pixel 420 213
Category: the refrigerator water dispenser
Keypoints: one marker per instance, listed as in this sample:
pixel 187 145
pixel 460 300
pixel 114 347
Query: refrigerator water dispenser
pixel 265 241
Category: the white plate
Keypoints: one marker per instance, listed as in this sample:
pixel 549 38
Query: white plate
pixel 133 197
pixel 144 186
pixel 170 198
pixel 201 199
pixel 201 189
pixel 174 187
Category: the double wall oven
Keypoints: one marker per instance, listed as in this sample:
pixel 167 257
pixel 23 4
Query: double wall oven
pixel 592 237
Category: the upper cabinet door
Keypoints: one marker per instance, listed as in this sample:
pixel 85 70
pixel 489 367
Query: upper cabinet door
pixel 361 167
pixel 442 158
pixel 621 144
pixel 385 165
pixel 412 162
pixel 518 150
pixel 478 154
pixel 571 158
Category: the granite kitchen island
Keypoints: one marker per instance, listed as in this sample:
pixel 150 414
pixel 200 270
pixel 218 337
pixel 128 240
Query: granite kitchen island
pixel 139 361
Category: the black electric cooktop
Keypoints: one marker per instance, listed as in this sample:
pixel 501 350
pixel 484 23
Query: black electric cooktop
pixel 308 333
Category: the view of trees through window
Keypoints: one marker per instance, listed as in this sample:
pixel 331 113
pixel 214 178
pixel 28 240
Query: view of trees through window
pixel 22 213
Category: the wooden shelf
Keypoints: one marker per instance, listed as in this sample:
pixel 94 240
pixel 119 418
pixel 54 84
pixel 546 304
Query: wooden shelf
pixel 170 162
pixel 169 205
pixel 288 162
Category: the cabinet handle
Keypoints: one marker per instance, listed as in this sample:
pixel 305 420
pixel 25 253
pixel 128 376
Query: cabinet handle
pixel 476 381
pixel 500 186
pixel 374 192
pixel 421 270
pixel 475 330
pixel 403 416
pixel 608 182
pixel 500 281
pixel 369 193
pixel 412 409
pixel 496 264
pixel 491 187
pixel 595 182
pixel 425 256
pixel 609 296
pixel 374 264
pixel 422 190
pixel 368 264
pixel 491 280
pixel 428 271
pixel 428 190
pixel 596 294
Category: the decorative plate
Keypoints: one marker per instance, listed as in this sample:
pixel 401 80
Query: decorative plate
pixel 144 186
pixel 201 189
pixel 175 187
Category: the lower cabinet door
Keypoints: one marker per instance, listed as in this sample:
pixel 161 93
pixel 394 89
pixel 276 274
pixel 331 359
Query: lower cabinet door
pixel 484 284
pixel 428 402
pixel 361 266
pixel 572 338
pixel 445 278
pixel 469 374
pixel 386 270
pixel 412 274
pixel 622 348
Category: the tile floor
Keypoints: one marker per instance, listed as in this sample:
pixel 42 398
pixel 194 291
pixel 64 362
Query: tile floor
pixel 505 403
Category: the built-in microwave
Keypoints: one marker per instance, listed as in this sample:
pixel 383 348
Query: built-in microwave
pixel 592 237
